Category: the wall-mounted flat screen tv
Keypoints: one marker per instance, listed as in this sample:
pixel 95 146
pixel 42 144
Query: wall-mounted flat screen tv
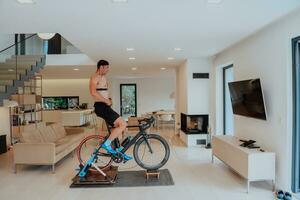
pixel 247 98
pixel 60 102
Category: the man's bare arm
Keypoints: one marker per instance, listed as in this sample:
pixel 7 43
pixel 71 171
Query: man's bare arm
pixel 94 93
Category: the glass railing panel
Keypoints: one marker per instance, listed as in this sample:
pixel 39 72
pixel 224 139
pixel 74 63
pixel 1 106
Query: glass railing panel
pixel 18 59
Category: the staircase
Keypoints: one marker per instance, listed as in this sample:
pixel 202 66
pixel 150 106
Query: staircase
pixel 16 70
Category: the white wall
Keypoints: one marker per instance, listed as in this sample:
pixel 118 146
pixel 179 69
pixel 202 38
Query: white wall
pixel 6 40
pixel 181 91
pixel 33 45
pixel 198 89
pixel 4 123
pixel 68 48
pixel 193 95
pixel 267 55
pixel 152 93
pixel 69 60
pixel 68 87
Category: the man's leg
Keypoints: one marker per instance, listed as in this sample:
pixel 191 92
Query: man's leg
pixel 120 126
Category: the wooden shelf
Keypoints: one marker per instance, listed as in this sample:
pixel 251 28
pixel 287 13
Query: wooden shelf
pixel 29 100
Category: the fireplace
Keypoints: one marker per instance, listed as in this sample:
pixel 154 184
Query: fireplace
pixel 194 124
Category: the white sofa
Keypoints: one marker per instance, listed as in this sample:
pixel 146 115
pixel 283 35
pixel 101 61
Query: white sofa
pixel 46 145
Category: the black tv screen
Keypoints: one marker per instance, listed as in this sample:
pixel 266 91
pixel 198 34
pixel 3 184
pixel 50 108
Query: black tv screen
pixel 247 98
pixel 60 102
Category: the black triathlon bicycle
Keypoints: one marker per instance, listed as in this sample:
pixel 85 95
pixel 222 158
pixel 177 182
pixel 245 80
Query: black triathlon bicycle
pixel 151 151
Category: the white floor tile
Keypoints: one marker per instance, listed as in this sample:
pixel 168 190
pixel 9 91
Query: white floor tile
pixel 194 176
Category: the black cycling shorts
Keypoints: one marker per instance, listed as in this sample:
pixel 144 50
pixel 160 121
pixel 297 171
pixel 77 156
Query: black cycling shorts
pixel 106 112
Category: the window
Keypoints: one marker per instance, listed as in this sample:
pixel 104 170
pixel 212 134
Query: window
pixel 296 115
pixel 227 108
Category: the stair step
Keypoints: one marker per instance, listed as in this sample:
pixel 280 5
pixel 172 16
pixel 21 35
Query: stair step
pixel 2 89
pixel 27 57
pixel 11 66
pixel 3 70
pixel 22 60
pixel 6 82
pixel 11 71
pixel 8 77
pixel 8 73
pixel 13 62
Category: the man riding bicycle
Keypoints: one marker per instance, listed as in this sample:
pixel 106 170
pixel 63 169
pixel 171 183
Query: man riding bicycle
pixel 99 91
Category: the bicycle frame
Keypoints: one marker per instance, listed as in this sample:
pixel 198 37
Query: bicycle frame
pixel 116 142
pixel 142 133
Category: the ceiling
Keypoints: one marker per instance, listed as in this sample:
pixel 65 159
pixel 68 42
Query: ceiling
pixel 85 71
pixel 103 30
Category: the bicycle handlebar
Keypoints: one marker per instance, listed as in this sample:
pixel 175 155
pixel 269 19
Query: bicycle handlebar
pixel 143 123
pixel 146 123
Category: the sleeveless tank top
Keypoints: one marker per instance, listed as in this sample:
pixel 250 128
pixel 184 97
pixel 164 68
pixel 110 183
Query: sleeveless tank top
pixel 102 87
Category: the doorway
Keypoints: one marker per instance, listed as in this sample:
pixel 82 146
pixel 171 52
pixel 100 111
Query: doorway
pixel 128 100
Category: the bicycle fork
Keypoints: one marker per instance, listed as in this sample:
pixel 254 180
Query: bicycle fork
pixel 147 143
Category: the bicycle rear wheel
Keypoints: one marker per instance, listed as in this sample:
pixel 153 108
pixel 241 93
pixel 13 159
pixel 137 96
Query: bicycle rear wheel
pixel 151 160
pixel 86 148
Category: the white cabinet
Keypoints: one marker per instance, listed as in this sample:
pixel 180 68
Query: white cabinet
pixel 252 164
pixel 52 116
pixel 76 117
pixel 193 139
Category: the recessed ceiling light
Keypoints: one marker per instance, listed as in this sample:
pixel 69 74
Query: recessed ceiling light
pixel 76 69
pixel 129 49
pixel 26 1
pixel 170 58
pixel 214 1
pixel 119 1
pixel 10 70
pixel 162 68
pixel 133 68
pixel 177 49
pixel 131 58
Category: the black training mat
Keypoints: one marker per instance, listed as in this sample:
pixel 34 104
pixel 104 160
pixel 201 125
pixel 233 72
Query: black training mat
pixel 130 179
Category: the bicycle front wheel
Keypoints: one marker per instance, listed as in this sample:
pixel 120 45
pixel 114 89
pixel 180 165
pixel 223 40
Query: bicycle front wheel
pixel 151 153
pixel 87 147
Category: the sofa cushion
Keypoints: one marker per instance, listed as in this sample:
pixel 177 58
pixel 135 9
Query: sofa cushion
pixel 63 143
pixel 41 125
pixel 63 140
pixel 59 147
pixel 29 127
pixel 76 138
pixel 33 136
pixel 59 130
pixel 47 134
pixel 26 128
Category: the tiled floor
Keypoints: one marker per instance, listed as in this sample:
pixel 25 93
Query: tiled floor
pixel 194 176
